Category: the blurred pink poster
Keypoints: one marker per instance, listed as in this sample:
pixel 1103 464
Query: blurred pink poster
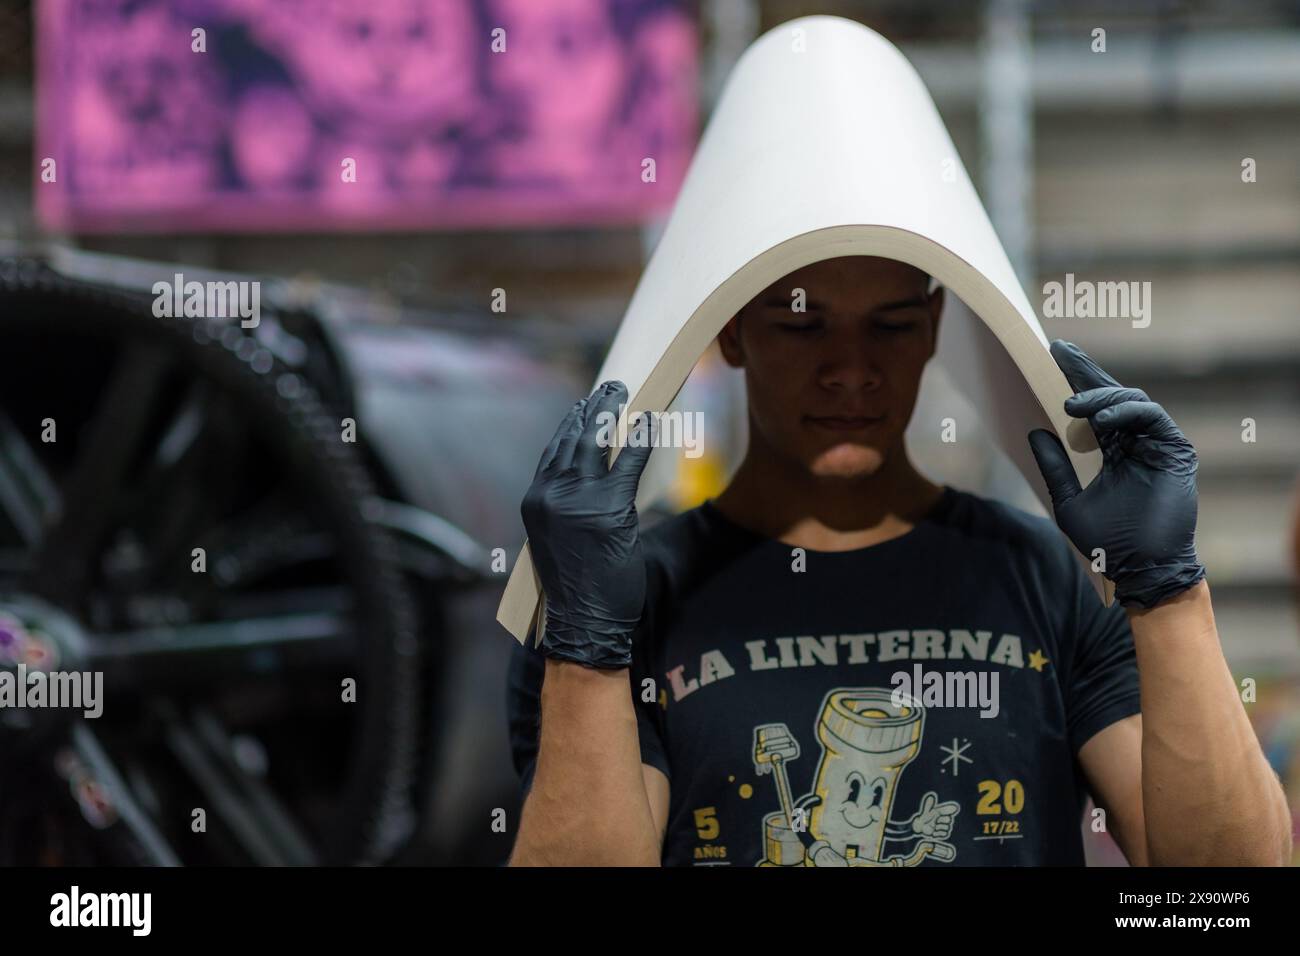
pixel 309 115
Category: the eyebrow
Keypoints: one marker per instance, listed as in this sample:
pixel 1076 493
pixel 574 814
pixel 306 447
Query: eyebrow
pixel 776 302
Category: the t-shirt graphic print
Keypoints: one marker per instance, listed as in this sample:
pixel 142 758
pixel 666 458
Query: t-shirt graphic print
pixel 868 736
pixel 918 702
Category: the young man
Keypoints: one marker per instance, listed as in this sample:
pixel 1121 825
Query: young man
pixel 838 663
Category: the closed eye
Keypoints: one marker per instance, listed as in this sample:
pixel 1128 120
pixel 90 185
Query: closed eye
pixel 813 326
pixel 891 327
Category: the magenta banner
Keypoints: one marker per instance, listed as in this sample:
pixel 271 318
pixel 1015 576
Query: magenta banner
pixel 309 115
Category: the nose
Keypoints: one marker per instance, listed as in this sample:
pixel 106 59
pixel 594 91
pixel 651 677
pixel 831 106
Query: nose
pixel 849 365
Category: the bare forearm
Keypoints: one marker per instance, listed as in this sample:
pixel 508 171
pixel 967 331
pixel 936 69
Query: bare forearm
pixel 587 805
pixel 1209 796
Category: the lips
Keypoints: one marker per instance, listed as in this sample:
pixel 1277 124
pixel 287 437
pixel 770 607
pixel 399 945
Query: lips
pixel 844 423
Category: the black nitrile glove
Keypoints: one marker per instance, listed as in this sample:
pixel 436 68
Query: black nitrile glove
pixel 582 530
pixel 1141 508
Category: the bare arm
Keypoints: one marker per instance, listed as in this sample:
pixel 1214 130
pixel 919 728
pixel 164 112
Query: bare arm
pixel 1208 792
pixel 1208 795
pixel 1186 784
pixel 590 802
pixel 1112 762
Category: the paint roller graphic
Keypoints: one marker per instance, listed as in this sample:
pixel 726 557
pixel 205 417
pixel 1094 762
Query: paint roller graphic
pixel 774 746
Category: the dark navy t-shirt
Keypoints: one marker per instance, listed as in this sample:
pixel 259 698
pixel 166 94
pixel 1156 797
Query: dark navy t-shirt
pixel 919 701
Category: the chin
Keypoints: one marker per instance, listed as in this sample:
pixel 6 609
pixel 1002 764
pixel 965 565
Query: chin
pixel 847 461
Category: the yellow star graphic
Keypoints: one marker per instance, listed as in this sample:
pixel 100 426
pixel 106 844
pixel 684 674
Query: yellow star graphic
pixel 1037 661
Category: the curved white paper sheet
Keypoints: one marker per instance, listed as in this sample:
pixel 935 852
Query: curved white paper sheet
pixel 825 143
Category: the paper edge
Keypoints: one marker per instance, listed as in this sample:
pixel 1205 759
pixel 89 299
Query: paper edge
pixel 1025 345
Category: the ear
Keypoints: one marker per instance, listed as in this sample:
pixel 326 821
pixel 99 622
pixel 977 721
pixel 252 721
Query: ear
pixel 729 343
pixel 936 310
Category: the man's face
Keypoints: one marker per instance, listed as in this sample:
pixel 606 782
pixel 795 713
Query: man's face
pixel 832 388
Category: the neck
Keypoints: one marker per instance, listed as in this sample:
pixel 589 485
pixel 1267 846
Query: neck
pixel 780 499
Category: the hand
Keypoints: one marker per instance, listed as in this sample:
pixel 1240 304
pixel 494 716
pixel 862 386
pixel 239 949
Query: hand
pixel 582 530
pixel 934 819
pixel 1140 510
